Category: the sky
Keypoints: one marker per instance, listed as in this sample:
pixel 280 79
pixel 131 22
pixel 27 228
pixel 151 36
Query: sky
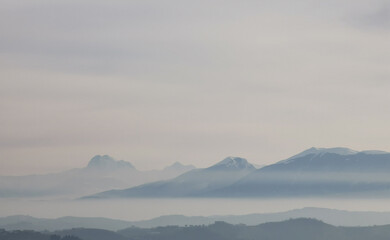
pixel 155 82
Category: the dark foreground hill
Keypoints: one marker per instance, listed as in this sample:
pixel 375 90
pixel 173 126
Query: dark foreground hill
pixel 32 235
pixel 293 229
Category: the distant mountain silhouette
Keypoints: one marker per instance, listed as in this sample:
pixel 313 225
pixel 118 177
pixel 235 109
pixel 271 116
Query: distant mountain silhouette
pixel 179 167
pixel 193 183
pixel 232 164
pixel 325 172
pixel 334 160
pixel 106 162
pixel 313 172
pixel 102 173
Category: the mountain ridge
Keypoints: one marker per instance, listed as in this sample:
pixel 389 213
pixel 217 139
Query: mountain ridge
pixel 291 229
pixel 233 163
pixel 190 184
pixel 329 216
pixel 102 173
pixel 335 150
pixel 314 172
pixel 106 162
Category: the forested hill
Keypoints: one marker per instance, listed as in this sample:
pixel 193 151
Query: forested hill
pixel 293 229
pixel 32 235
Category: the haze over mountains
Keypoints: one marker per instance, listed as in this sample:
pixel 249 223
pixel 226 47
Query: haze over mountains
pixel 190 184
pixel 329 172
pixel 318 172
pixel 101 173
pixel 314 172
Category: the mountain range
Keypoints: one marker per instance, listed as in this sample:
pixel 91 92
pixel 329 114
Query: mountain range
pixel 330 172
pixel 102 173
pixel 190 184
pixel 318 172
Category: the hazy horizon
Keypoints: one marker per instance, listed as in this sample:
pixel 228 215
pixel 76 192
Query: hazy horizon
pixel 146 208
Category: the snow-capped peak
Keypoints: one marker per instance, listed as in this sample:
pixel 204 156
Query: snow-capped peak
pixel 233 163
pixel 336 150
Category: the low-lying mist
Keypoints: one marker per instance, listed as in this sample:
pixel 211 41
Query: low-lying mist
pixel 141 209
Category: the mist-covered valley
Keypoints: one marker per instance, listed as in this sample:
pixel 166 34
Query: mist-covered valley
pixel 319 178
pixel 319 193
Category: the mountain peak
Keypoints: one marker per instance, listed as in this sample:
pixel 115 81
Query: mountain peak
pixel 106 162
pixel 336 150
pixel 314 150
pixel 233 163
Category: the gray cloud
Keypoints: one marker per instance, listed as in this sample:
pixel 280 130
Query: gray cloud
pixel 378 18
